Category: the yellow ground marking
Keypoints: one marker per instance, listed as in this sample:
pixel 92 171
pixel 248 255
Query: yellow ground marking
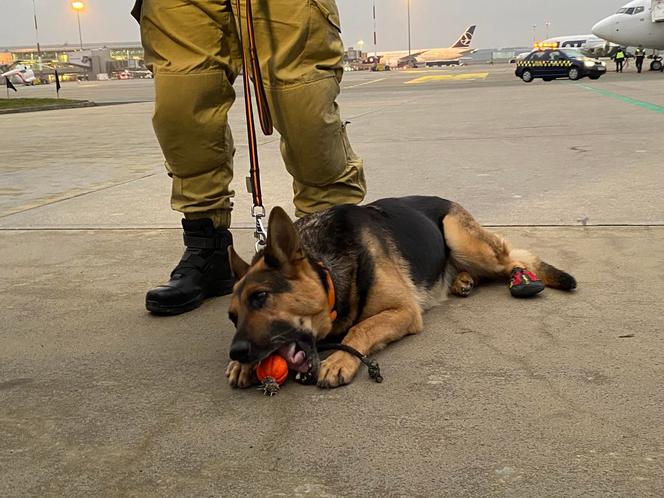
pixel 449 77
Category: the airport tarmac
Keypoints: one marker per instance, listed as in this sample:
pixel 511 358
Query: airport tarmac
pixel 470 76
pixel 555 396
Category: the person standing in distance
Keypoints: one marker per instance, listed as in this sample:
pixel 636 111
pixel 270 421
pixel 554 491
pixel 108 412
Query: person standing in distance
pixel 640 56
pixel 620 60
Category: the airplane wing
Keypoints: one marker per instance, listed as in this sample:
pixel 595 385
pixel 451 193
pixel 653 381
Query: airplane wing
pixel 413 56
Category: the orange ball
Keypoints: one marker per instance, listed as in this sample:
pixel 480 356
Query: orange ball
pixel 274 366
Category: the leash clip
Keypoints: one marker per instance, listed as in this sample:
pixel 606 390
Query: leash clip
pixel 258 213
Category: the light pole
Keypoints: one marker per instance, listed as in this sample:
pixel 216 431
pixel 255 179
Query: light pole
pixel 78 7
pixel 34 11
pixel 408 31
pixel 547 24
pixel 374 33
pixel 534 33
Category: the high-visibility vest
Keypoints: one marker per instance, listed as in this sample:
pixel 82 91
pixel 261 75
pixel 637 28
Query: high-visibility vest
pixel 620 55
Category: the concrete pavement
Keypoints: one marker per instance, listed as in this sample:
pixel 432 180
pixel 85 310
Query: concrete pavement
pixel 557 396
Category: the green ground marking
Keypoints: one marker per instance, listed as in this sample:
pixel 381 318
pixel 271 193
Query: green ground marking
pixel 628 100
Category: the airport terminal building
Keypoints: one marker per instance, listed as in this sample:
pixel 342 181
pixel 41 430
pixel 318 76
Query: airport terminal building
pixel 125 60
pixel 95 61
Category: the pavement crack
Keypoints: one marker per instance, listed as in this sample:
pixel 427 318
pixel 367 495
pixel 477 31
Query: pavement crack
pixel 522 362
pixel 69 197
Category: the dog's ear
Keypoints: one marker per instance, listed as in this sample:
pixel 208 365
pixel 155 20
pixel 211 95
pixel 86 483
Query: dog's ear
pixel 239 266
pixel 283 242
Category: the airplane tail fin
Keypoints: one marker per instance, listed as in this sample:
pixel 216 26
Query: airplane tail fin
pixel 465 39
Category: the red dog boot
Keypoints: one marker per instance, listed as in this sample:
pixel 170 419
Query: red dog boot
pixel 524 283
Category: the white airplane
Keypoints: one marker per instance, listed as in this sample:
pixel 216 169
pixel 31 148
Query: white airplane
pixel 637 24
pixel 430 56
pixel 588 45
pixel 23 73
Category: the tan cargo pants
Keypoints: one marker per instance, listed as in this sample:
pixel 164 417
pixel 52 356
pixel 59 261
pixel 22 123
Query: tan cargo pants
pixel 193 50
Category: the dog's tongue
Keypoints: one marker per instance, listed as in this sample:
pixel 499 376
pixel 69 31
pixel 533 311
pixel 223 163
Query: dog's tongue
pixel 297 360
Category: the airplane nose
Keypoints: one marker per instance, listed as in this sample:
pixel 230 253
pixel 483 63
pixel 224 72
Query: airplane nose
pixel 604 28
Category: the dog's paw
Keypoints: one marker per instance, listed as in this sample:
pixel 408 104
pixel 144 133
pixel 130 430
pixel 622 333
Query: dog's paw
pixel 337 370
pixel 240 374
pixel 463 284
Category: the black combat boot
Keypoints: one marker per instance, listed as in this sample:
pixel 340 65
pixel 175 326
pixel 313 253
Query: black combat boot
pixel 204 270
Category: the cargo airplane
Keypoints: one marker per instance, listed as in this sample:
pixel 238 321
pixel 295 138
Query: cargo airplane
pixel 432 56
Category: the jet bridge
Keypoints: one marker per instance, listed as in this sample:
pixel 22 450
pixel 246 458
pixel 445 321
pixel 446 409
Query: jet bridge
pixel 657 10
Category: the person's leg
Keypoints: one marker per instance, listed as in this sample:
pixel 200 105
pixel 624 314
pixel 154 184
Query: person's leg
pixel 193 51
pixel 301 57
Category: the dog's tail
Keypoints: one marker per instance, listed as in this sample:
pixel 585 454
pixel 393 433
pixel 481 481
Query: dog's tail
pixel 549 274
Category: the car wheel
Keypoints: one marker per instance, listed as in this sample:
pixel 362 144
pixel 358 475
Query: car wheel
pixel 656 66
pixel 527 76
pixel 574 73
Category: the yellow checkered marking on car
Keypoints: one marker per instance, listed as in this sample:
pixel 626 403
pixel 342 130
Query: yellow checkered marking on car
pixel 544 63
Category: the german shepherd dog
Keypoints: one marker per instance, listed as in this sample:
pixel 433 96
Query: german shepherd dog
pixel 364 274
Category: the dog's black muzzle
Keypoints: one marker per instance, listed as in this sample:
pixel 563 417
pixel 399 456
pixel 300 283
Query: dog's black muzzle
pixel 247 347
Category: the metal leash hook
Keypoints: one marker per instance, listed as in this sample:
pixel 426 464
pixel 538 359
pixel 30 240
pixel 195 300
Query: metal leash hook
pixel 258 213
pixel 250 66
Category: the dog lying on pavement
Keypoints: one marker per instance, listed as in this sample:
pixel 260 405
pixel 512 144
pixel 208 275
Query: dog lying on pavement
pixel 366 274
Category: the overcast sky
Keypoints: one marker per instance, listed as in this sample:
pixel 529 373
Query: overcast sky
pixel 434 23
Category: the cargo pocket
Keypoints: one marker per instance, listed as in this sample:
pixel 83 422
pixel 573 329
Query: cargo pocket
pixel 325 50
pixel 329 10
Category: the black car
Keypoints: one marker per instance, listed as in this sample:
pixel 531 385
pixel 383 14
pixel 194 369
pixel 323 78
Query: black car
pixel 550 64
